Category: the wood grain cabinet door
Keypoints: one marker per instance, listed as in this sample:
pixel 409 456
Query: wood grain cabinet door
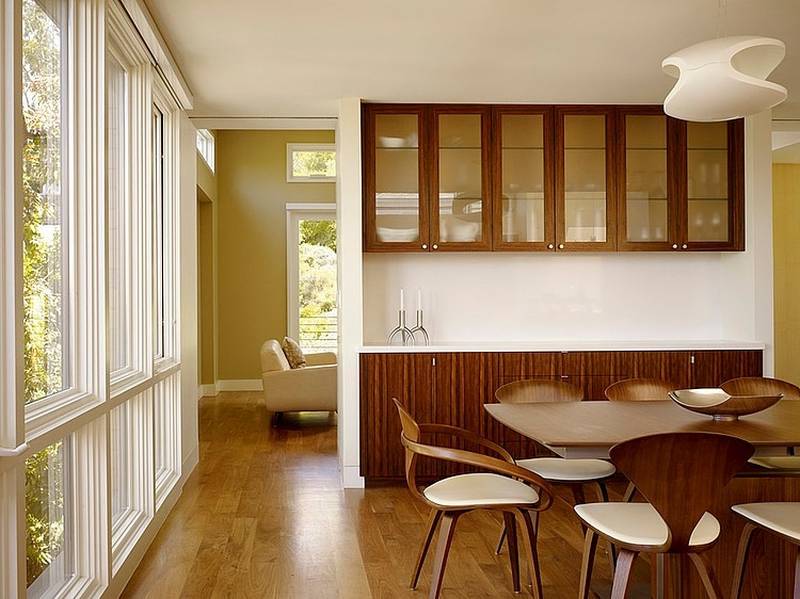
pixel 712 368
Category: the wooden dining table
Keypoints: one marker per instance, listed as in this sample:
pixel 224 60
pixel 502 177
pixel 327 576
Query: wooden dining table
pixel 590 428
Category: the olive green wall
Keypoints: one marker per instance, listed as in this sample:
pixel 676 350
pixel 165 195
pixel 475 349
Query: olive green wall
pixel 251 242
pixel 786 243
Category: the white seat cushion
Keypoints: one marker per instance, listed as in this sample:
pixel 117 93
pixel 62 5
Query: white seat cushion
pixel 640 524
pixel 560 469
pixel 780 462
pixel 782 517
pixel 479 489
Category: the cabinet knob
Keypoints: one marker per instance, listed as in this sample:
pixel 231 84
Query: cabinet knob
pixel 561 246
pixel 684 246
pixel 674 246
pixel 435 246
pixel 550 246
pixel 424 246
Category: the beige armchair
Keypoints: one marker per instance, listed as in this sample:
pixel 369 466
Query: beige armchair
pixel 289 389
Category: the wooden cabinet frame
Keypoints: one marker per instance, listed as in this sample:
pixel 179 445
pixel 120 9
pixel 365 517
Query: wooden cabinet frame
pixel 548 184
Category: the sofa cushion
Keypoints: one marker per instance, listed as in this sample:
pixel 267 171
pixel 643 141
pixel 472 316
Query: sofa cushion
pixel 293 353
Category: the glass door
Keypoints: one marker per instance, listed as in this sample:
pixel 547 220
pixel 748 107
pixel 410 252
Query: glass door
pixel 647 214
pixel 523 200
pixel 396 215
pixel 585 178
pixel 461 211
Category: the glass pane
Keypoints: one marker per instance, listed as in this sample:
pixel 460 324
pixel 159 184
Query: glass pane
pixel 118 218
pixel 522 177
pixel 397 177
pixel 317 285
pixel 313 163
pixel 159 227
pixel 646 177
pixel 460 178
pixel 707 156
pixel 44 213
pixel 49 562
pixel 585 178
pixel 121 442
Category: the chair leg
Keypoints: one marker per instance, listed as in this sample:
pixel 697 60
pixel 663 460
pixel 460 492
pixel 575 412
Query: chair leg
pixel 276 418
pixel 796 594
pixel 530 529
pixel 446 530
pixel 501 540
pixel 623 573
pixel 741 560
pixel 630 493
pixel 513 549
pixel 602 493
pixel 433 522
pixel 587 564
pixel 707 576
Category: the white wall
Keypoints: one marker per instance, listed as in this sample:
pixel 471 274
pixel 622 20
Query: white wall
pixel 497 296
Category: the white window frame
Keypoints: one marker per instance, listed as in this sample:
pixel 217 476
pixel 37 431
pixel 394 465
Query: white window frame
pixel 167 440
pixel 207 148
pixel 291 148
pixel 295 212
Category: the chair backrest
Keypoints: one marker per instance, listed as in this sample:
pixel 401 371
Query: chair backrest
pixel 681 475
pixel 272 357
pixel 639 390
pixel 761 385
pixel 537 391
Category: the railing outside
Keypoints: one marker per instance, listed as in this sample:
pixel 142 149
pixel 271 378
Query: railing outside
pixel 318 333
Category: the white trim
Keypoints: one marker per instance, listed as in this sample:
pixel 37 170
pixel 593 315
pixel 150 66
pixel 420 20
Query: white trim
pixel 208 390
pixel 240 385
pixel 160 52
pixel 351 477
pixel 291 148
pixel 266 123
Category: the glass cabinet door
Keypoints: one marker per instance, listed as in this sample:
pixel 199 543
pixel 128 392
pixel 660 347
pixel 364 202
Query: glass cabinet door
pixel 585 201
pixel 647 214
pixel 523 195
pixel 708 202
pixel 461 213
pixel 397 212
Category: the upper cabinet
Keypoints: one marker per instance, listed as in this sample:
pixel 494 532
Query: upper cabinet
pixel 542 178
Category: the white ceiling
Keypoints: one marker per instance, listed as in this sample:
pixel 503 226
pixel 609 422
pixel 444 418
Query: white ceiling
pixel 292 58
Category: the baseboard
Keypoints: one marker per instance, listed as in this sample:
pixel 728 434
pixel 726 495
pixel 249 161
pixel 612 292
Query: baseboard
pixel 240 385
pixel 209 390
pixel 351 477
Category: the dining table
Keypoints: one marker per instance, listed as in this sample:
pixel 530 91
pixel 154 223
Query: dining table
pixel 589 429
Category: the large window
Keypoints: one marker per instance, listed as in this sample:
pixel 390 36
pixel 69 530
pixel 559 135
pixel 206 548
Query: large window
pixel 45 199
pixel 160 223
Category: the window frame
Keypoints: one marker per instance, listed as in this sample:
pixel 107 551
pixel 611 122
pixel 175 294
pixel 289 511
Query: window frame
pixel 291 148
pixel 207 148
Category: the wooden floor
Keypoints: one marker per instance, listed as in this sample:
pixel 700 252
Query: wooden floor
pixel 263 516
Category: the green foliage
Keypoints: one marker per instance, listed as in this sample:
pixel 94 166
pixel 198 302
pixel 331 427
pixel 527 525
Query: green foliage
pixel 317 282
pixel 316 163
pixel 318 232
pixel 44 515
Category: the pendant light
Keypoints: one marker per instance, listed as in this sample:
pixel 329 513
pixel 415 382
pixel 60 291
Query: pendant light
pixel 724 78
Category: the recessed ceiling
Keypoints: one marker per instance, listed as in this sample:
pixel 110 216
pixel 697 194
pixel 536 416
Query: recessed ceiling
pixel 256 58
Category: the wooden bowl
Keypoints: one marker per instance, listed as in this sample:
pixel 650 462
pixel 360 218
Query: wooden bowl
pixel 721 406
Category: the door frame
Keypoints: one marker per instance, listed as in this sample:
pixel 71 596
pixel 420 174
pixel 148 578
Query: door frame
pixel 295 212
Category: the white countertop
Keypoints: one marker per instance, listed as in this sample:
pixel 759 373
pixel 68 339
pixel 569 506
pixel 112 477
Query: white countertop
pixel 556 345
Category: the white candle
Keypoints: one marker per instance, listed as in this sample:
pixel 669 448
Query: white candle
pixel 402 301
pixel 419 299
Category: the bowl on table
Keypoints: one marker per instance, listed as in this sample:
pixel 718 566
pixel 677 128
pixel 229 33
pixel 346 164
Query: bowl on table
pixel 721 406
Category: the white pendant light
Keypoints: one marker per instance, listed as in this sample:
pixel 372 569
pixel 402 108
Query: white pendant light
pixel 724 78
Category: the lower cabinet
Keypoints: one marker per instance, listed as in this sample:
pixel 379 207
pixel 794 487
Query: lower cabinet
pixel 451 388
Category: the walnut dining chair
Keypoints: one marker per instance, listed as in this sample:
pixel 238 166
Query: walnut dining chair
pixel 572 473
pixel 502 486
pixel 761 385
pixel 779 518
pixel 680 475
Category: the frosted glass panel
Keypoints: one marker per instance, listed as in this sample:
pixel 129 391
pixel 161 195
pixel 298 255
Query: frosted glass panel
pixel 646 178
pixel 707 164
pixel 397 178
pixel 522 178
pixel 585 178
pixel 460 178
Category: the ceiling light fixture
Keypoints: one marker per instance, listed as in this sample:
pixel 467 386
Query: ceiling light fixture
pixel 724 78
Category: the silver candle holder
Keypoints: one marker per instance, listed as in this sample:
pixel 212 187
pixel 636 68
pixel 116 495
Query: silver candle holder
pixel 406 336
pixel 420 328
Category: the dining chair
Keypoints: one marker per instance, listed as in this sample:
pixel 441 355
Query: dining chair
pixel 758 385
pixel 778 518
pixel 573 473
pixel 640 389
pixel 507 488
pixel 680 475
